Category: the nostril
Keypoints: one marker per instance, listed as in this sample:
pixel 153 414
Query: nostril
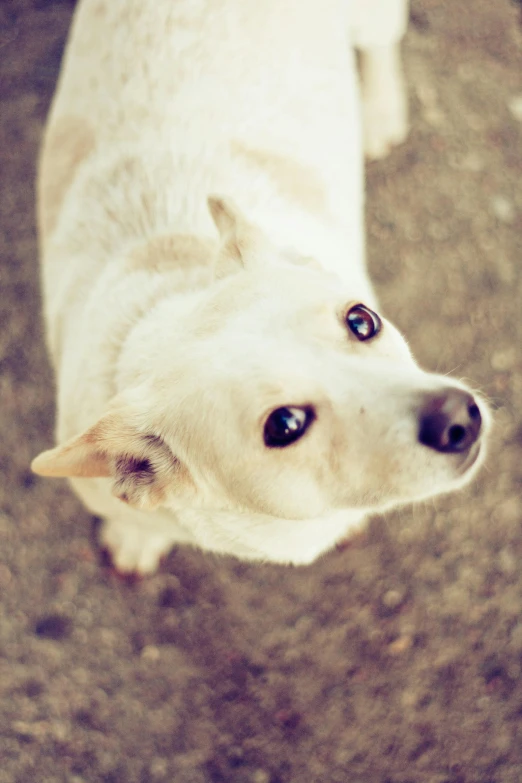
pixel 456 435
pixel 474 412
pixel 450 421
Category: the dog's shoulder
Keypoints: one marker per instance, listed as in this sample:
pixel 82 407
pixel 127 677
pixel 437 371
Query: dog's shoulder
pixel 68 142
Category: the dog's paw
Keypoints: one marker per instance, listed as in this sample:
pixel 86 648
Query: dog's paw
pixel 385 118
pixel 384 104
pixel 132 551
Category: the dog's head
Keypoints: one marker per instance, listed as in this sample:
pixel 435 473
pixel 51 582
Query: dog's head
pixel 275 395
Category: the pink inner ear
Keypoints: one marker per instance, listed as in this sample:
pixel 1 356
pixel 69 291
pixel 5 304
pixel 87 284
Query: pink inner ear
pixel 136 480
pixel 128 465
pixel 132 477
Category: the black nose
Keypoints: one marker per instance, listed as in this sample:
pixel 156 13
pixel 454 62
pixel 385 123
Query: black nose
pixel 450 421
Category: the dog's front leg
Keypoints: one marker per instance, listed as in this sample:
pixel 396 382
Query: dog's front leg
pixel 135 548
pixel 384 100
pixel 377 27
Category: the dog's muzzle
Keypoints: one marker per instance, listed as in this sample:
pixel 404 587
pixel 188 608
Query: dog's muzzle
pixel 450 421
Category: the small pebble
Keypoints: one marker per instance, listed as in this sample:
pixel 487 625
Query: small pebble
pixel 502 208
pixel 400 645
pixel 504 359
pixel 59 730
pixel 515 107
pixel 392 599
pixel 150 653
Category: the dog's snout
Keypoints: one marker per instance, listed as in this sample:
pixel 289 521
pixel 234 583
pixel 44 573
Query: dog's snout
pixel 450 421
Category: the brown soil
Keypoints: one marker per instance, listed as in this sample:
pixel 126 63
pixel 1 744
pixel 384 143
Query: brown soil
pixel 397 660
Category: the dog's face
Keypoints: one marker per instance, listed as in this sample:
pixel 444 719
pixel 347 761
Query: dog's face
pixel 278 394
pixel 302 402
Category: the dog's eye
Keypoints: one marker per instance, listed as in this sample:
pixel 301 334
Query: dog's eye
pixel 286 425
pixel 363 322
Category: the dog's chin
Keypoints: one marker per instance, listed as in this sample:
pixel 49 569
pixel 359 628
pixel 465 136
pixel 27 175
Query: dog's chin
pixel 456 476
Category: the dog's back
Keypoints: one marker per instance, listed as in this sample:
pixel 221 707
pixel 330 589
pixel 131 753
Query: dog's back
pixel 218 94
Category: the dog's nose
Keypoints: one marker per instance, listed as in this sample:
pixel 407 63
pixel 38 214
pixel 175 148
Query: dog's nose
pixel 450 421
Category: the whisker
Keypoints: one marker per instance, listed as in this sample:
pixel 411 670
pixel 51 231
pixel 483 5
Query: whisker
pixel 450 372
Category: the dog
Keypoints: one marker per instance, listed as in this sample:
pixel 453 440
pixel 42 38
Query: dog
pixel 225 378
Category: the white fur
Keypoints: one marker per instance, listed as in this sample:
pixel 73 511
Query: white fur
pixel 171 345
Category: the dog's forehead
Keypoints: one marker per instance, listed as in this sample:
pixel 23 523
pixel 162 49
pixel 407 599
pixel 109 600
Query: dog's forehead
pixel 285 294
pixel 289 317
pixel 249 303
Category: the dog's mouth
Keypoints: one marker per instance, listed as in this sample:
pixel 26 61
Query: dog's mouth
pixel 471 458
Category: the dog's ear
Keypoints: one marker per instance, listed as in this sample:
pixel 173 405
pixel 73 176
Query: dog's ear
pixel 241 242
pixel 225 215
pixel 143 468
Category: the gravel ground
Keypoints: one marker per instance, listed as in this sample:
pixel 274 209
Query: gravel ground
pixel 395 660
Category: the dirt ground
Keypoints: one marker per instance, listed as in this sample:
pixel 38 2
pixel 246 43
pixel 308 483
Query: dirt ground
pixel 396 660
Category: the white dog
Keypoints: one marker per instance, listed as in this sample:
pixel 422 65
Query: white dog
pixel 232 389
